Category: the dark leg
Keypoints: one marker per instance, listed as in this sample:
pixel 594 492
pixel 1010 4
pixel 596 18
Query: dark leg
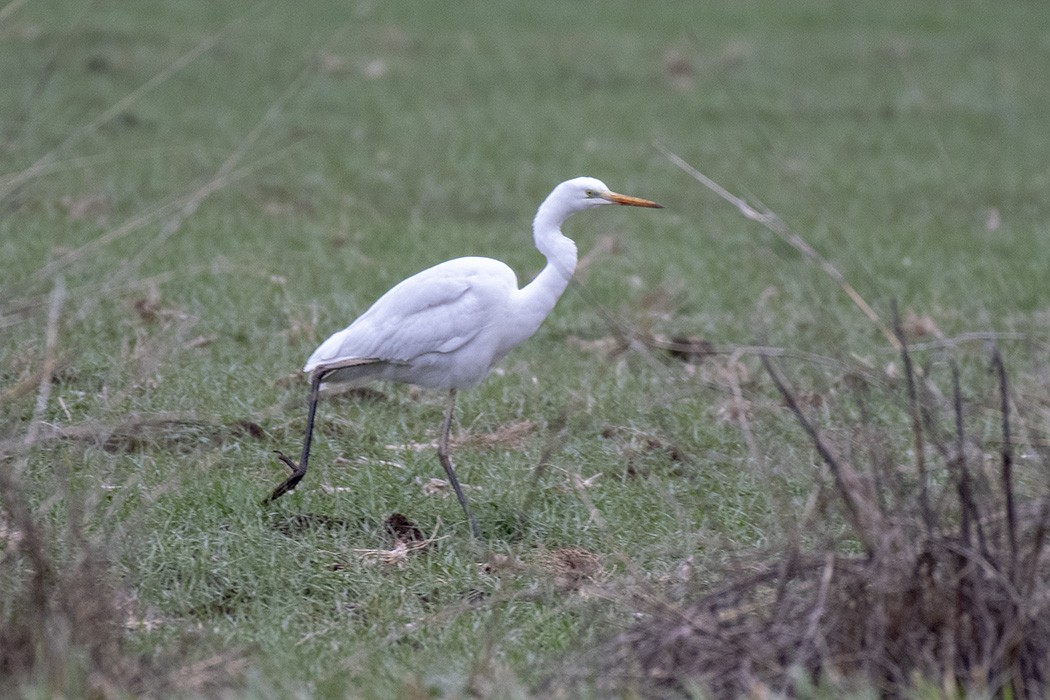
pixel 446 425
pixel 299 470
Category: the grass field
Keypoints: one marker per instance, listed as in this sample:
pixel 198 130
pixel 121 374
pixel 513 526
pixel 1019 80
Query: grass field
pixel 195 194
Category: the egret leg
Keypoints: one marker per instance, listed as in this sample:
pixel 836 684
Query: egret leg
pixel 446 425
pixel 299 470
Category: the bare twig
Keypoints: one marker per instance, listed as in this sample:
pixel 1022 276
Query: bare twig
pixel 966 506
pixel 822 597
pixel 134 427
pixel 868 521
pixel 86 161
pixel 916 423
pixel 963 338
pixel 10 8
pixel 1007 457
pixel 1031 568
pixel 153 213
pixel 760 351
pixel 135 223
pixel 58 298
pixel 27 385
pixel 775 224
pixel 117 108
pixel 13 500
pixel 222 176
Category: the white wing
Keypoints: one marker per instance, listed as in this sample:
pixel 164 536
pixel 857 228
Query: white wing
pixel 438 310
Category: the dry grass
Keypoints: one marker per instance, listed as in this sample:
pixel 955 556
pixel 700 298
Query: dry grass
pixel 66 616
pixel 63 628
pixel 951 585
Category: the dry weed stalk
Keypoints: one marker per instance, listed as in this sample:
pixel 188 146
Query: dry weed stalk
pixel 953 585
pixel 776 225
pixel 397 556
pixel 63 606
pixel 13 182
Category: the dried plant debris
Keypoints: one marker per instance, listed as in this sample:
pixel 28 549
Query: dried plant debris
pixel 689 349
pixel 571 567
pixel 403 529
pixel 408 538
pixel 927 612
pixel 951 586
pixel 308 522
pixel 184 430
pixel 65 611
pixel 637 447
pixel 512 436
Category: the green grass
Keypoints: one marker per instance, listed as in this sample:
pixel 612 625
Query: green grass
pixel 392 136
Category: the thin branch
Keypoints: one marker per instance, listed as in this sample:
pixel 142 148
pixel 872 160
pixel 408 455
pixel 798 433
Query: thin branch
pixel 223 176
pixel 86 161
pixel 117 108
pixel 965 499
pixel 732 374
pixel 26 386
pixel 868 521
pixel 152 214
pixel 1038 543
pixel 822 596
pixel 10 8
pixel 916 423
pixel 1007 457
pixel 54 311
pixel 133 224
pixel 687 347
pixel 774 223
pixel 972 337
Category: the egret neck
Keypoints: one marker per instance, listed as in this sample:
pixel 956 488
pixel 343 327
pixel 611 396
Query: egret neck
pixel 539 296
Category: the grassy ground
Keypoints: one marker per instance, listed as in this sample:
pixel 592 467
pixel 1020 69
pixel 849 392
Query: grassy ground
pixel 218 188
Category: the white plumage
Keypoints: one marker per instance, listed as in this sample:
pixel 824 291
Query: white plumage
pixel 442 328
pixel 447 326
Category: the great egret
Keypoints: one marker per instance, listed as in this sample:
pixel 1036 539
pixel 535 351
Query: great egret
pixel 447 326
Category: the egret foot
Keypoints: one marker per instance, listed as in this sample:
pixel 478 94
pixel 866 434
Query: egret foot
pixel 291 482
pixel 299 470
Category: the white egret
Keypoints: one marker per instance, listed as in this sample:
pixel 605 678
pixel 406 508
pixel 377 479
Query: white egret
pixel 447 326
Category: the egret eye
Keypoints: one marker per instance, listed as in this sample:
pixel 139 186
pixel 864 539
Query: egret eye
pixel 591 194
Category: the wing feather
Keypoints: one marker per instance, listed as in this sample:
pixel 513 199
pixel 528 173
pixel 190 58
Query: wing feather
pixel 438 310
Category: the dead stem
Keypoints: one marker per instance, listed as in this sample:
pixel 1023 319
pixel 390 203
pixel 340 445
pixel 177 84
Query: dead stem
pixel 968 513
pixel 117 108
pixel 556 438
pixel 867 520
pixel 151 214
pixel 775 224
pixel 58 298
pixel 1007 458
pixel 916 423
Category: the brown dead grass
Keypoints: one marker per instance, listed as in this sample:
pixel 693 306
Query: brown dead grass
pixel 951 585
pixel 65 613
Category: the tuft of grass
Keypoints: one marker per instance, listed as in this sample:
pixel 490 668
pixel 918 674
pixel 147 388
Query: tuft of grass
pixel 948 588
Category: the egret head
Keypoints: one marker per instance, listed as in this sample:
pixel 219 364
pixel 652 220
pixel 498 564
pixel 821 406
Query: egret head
pixel 587 192
pixel 573 196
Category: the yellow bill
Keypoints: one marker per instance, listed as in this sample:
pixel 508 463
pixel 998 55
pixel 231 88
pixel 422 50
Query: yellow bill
pixel 631 201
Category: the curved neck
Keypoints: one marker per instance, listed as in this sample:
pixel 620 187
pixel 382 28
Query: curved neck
pixel 555 275
pixel 539 296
